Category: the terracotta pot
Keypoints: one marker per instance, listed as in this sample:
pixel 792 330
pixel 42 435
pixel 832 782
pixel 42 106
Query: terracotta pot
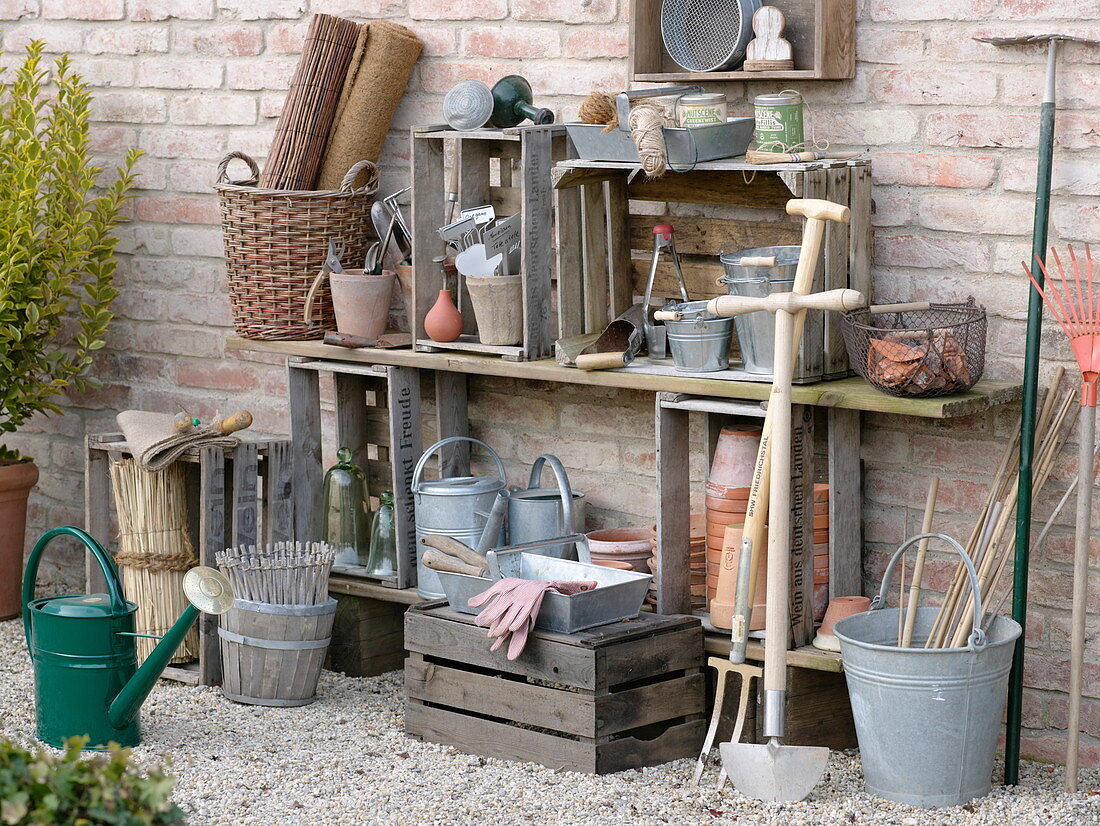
pixel 717 503
pixel 498 307
pixel 821 537
pixel 821 492
pixel 631 545
pixel 723 518
pixel 821 521
pixel 839 608
pixel 443 322
pixel 821 508
pixel 821 600
pixel 740 494
pixel 362 302
pixel 16 481
pixel 614 563
pixel 734 456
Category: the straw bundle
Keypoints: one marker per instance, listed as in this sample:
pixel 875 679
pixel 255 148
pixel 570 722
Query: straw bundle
pixel 311 103
pixel 285 573
pixel 154 549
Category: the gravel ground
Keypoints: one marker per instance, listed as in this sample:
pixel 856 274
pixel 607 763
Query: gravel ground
pixel 346 760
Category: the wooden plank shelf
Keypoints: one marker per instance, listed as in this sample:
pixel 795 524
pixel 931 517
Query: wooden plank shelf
pixel 852 393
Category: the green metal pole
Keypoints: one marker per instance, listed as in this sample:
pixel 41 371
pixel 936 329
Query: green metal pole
pixel 1027 423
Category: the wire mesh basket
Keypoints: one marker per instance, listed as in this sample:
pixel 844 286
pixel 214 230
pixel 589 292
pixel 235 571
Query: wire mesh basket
pixel 935 350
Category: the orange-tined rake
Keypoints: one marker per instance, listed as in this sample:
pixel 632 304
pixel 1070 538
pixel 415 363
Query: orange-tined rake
pixel 1075 306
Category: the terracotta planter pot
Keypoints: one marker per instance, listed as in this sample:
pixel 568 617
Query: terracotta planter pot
pixel 821 521
pixel 734 456
pixel 740 494
pixel 362 302
pixel 717 503
pixel 715 518
pixel 821 508
pixel 821 492
pixel 614 563
pixel 16 481
pixel 498 307
pixel 631 545
pixel 821 537
pixel 839 608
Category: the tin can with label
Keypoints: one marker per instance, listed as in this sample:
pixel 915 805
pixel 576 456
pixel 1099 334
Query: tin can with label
pixel 778 120
pixel 705 109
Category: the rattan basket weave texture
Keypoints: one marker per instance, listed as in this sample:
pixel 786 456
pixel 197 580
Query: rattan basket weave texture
pixel 276 241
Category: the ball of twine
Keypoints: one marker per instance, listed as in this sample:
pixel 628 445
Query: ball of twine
pixel 599 108
pixel 647 119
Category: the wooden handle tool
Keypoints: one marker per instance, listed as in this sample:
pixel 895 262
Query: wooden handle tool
pixel 452 547
pixel 439 561
pixel 602 361
pixel 837 300
pixel 348 340
pixel 231 424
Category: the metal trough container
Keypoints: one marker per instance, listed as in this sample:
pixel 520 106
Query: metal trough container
pixel 618 595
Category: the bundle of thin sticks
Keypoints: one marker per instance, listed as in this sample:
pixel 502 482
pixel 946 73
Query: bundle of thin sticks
pixel 989 546
pixel 286 573
pixel 154 549
pixel 311 104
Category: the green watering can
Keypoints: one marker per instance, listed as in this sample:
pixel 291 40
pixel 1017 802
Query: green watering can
pixel 87 681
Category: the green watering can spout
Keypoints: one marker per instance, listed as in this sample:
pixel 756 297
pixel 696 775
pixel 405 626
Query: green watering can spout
pixel 208 591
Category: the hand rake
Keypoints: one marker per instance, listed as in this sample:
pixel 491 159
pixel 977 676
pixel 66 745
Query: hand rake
pixel 1076 306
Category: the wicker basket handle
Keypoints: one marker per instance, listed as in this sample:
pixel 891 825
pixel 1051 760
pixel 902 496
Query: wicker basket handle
pixel 223 169
pixel 370 187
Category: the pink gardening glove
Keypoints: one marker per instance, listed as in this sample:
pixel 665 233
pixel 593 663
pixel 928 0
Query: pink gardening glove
pixel 514 607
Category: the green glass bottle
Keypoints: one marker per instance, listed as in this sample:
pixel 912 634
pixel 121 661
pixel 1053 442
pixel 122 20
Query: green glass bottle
pixel 345 511
pixel 383 540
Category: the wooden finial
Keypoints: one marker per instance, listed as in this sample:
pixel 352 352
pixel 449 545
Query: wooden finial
pixel 768 51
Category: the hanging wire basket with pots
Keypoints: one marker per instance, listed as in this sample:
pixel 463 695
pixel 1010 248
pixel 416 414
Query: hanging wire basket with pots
pixel 917 350
pixel 276 241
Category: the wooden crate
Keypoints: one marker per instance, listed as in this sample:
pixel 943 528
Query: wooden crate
pixel 605 248
pixel 821 32
pixel 235 497
pixel 509 169
pixel 674 488
pixel 378 419
pixel 620 696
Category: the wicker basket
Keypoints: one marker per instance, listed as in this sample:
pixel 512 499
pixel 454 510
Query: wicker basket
pixel 276 241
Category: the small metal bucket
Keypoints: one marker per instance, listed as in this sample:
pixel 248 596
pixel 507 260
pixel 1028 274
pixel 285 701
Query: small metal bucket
pixel 756 331
pixel 927 719
pixel 700 343
pixel 540 513
pixel 456 506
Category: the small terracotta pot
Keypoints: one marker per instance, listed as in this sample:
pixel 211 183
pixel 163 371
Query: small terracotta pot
pixel 498 307
pixel 839 608
pixel 717 503
pixel 723 518
pixel 614 563
pixel 821 537
pixel 735 456
pixel 443 322
pixel 16 481
pixel 821 508
pixel 821 492
pixel 631 545
pixel 362 302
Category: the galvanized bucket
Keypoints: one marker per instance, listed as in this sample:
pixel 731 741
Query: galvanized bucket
pixel 927 719
pixel 700 343
pixel 543 513
pixel 455 506
pixel 756 331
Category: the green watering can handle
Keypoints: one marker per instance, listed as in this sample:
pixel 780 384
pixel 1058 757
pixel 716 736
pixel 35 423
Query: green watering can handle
pixel 30 576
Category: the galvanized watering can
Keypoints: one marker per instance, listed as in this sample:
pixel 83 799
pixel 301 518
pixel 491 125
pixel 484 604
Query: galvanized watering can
pixel 87 681
pixel 539 513
pixel 455 506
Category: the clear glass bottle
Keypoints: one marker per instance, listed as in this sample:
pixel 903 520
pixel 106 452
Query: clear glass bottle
pixel 345 511
pixel 383 540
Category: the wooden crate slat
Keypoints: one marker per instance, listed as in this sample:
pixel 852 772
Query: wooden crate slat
pixel 245 493
pixel 845 526
pixel 570 261
pixel 621 754
pixel 837 256
pixel 802 526
pixel 618 219
pixel 710 236
pixel 659 653
pixel 304 392
pixel 596 272
pixel 351 417
pixel 673 517
pixel 654 703
pixel 212 537
pixel 765 191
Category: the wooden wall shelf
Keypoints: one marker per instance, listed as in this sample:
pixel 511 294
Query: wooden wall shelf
pixel 821 32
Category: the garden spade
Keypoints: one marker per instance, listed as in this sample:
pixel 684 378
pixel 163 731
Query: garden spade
pixel 772 771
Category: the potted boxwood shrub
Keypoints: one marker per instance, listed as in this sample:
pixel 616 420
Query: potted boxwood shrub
pixel 57 266
pixel 104 790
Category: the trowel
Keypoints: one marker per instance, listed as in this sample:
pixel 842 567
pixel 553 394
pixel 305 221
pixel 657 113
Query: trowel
pixel 616 346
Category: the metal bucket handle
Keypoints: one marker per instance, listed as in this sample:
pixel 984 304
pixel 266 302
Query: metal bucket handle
pixel 581 541
pixel 106 564
pixel 419 471
pixel 977 639
pixel 566 522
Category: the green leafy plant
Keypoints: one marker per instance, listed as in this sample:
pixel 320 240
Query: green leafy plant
pixel 46 789
pixel 57 251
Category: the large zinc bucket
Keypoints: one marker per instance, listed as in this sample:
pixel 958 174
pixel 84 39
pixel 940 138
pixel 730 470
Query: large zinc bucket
pixel 927 719
pixel 272 654
pixel 539 513
pixel 455 506
pixel 700 343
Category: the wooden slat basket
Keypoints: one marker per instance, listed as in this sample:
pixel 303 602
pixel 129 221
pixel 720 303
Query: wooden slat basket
pixel 276 241
pixel 272 654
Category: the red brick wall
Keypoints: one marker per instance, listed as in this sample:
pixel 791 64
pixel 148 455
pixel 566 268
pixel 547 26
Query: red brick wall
pixel 951 122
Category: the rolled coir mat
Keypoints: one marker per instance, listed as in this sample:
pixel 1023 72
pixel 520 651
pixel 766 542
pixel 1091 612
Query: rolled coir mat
pixel 380 69
pixel 311 105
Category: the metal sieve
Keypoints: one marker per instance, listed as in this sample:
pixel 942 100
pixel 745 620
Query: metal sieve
pixel 707 35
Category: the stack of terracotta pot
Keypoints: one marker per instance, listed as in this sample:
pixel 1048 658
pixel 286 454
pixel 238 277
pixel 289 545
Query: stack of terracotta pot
pixel 628 549
pixel 698 562
pixel 821 550
pixel 727 499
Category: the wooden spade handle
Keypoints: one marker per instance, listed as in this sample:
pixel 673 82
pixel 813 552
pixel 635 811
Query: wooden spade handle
pixel 838 300
pixel 601 361
pixel 439 561
pixel 757 261
pixel 816 209
pixel 231 424
pixel 452 547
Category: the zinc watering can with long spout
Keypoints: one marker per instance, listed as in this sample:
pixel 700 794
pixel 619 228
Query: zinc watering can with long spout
pixel 87 681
